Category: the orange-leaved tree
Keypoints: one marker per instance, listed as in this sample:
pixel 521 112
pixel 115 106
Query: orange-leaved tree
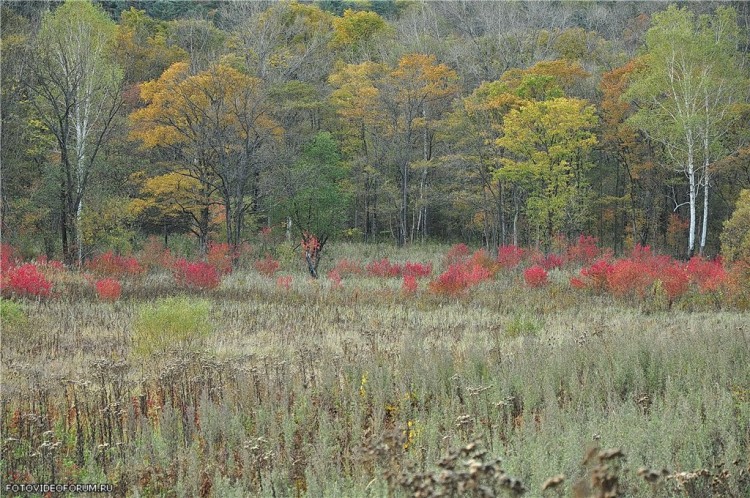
pixel 217 123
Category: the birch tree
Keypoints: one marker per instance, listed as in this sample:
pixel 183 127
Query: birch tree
pixel 685 94
pixel 76 95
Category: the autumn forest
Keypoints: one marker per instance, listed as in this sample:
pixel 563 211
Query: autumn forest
pixel 486 122
pixel 397 248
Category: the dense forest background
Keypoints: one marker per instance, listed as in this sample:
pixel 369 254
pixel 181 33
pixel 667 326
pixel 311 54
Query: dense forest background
pixel 495 123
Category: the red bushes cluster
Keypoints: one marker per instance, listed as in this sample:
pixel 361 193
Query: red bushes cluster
pixel 383 268
pixel 108 289
pixel 417 269
pixel 8 257
pixel 25 281
pixel 335 277
pixel 585 250
pixel 195 275
pixel 111 265
pixel 708 276
pixel 458 253
pixel 509 256
pixel 636 275
pixel 458 278
pixel 549 262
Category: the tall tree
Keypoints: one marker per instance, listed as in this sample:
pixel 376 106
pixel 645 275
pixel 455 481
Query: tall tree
pixel 76 94
pixel 215 122
pixel 684 92
pixel 548 144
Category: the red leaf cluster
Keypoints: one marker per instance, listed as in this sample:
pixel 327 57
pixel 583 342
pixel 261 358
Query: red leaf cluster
pixel 509 256
pixel 112 265
pixel 108 289
pixel 26 280
pixel 535 276
pixel 195 275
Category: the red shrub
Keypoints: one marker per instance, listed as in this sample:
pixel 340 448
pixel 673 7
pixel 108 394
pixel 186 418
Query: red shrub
pixel 410 284
pixel 482 258
pixel 458 278
pixel 675 281
pixel 417 269
pixel 475 274
pixel 112 265
pixel 630 278
pixel 535 276
pixel 709 276
pixel 108 289
pixel 585 250
pixel 195 275
pixel 335 277
pixel 549 262
pixel 284 282
pixel 509 256
pixel 451 282
pixel 267 266
pixel 383 268
pixel 26 280
pixel 597 275
pixel 220 255
pixel 456 254
pixel 348 267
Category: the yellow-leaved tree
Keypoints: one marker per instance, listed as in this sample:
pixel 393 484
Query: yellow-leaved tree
pixel 216 123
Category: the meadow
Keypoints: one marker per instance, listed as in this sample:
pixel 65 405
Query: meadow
pixel 425 371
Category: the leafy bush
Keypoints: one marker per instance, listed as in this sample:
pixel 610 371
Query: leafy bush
pixel 509 256
pixel 26 281
pixel 383 268
pixel 596 276
pixel 195 275
pixel 458 253
pixel 8 257
pixel 535 276
pixel 630 278
pixel 585 250
pixel 284 282
pixel 267 266
pixel 219 255
pixel 410 284
pixel 709 276
pixel 458 278
pixel 417 269
pixel 108 289
pixel 335 277
pixel 180 322
pixel 111 265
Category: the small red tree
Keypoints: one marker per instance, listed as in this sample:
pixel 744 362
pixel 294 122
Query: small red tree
pixel 312 248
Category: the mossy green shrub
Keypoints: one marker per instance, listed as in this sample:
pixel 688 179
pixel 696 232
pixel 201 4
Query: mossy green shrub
pixel 179 323
pixel 12 318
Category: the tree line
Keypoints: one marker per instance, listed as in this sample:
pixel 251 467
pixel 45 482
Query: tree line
pixel 494 122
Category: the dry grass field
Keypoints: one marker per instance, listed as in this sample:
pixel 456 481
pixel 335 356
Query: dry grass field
pixel 272 387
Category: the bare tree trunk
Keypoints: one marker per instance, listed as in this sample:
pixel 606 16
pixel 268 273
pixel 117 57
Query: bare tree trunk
pixel 693 191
